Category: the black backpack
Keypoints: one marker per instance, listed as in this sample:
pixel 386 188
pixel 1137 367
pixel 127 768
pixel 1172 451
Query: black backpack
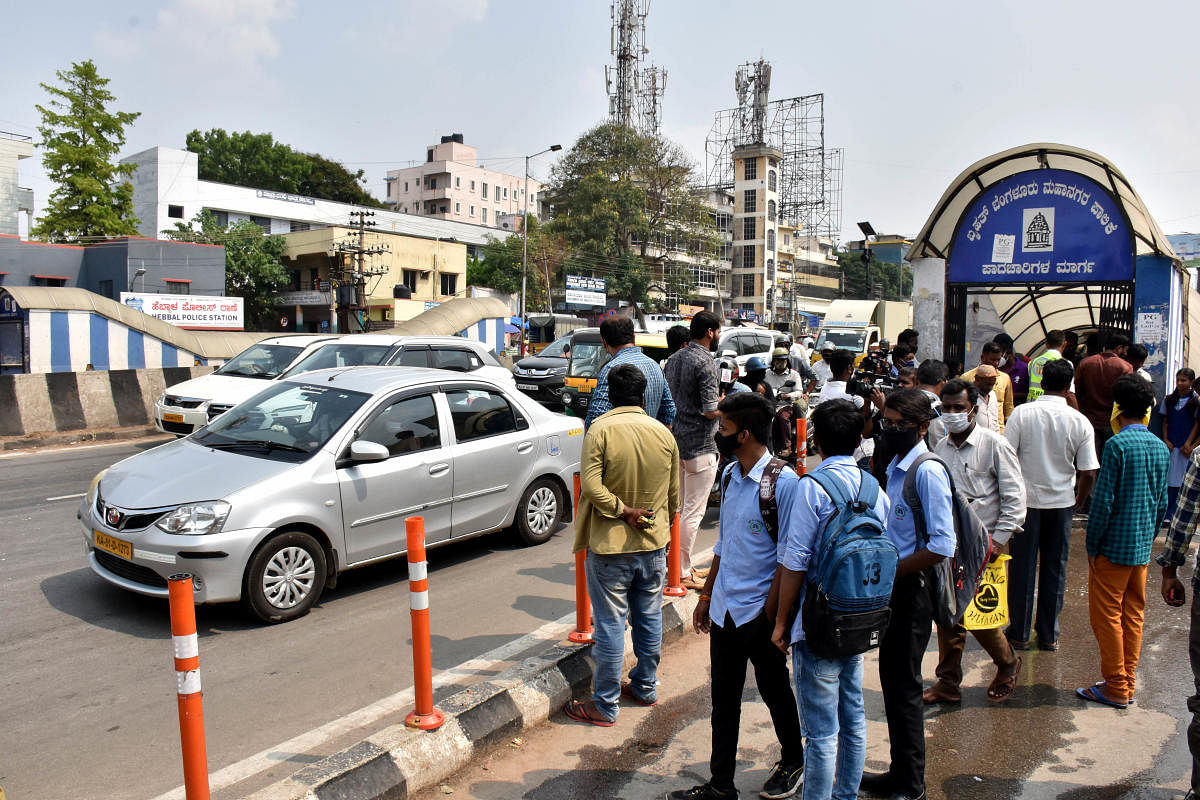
pixel 768 506
pixel 956 579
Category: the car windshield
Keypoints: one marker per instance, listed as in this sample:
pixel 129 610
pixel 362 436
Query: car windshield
pixel 557 348
pixel 261 361
pixel 842 339
pixel 586 359
pixel 287 422
pixel 340 354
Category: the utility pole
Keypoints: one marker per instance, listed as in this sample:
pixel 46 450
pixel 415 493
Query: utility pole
pixel 350 286
pixel 554 148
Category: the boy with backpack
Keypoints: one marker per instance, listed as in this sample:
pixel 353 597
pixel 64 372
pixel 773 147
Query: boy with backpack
pixel 759 497
pixel 905 423
pixel 835 554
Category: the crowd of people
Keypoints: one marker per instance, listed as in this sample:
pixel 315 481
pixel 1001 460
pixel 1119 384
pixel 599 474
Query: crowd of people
pixel 910 454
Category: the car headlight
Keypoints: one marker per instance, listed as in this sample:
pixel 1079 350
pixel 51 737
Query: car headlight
pixel 94 487
pixel 196 518
pixel 557 370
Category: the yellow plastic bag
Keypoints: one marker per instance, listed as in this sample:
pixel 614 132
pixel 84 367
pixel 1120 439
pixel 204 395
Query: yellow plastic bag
pixel 989 607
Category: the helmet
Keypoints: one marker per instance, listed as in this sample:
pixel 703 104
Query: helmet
pixel 755 363
pixel 729 364
pixel 779 352
pixel 884 344
pixel 784 341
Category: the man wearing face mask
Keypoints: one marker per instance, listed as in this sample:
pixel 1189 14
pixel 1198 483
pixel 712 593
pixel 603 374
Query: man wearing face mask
pixel 738 603
pixel 985 468
pixel 905 423
pixel 781 374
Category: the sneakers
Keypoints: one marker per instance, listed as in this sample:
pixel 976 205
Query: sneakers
pixel 783 781
pixel 705 791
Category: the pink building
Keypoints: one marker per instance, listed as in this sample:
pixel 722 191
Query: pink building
pixel 452 185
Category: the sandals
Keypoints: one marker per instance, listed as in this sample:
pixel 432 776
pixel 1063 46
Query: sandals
pixel 1101 685
pixel 1002 686
pixel 586 712
pixel 934 694
pixel 627 691
pixel 1093 694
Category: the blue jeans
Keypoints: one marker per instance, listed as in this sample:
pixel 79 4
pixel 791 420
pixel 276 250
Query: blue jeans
pixel 625 585
pixel 1047 536
pixel 829 694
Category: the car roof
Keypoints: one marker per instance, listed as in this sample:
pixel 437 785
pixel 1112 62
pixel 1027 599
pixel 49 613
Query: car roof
pixel 301 339
pixel 366 339
pixel 375 379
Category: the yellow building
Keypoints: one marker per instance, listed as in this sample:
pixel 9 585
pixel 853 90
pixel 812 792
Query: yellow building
pixel 398 272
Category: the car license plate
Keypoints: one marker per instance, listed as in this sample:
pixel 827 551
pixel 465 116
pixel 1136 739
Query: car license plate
pixel 172 417
pixel 111 544
pixel 527 387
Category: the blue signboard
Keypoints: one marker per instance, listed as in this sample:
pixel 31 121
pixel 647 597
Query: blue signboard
pixel 1042 226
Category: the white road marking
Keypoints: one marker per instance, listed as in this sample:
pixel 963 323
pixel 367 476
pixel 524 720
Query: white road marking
pixel 399 702
pixel 65 497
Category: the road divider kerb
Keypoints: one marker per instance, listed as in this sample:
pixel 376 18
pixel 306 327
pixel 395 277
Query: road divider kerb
pixel 398 761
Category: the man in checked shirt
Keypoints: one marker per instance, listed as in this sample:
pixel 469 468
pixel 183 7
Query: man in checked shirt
pixel 1179 539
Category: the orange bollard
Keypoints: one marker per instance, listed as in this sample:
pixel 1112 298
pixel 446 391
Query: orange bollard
pixel 187 679
pixel 801 445
pixel 674 588
pixel 583 606
pixel 426 717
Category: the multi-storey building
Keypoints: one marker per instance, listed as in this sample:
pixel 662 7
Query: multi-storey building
pixel 14 200
pixel 809 275
pixel 452 185
pixel 755 231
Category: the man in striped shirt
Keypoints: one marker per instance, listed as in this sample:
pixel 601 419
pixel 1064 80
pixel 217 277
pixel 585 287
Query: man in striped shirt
pixel 616 335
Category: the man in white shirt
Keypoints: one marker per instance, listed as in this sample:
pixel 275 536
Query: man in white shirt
pixel 841 370
pixel 1056 447
pixel 785 382
pixel 985 468
pixel 989 415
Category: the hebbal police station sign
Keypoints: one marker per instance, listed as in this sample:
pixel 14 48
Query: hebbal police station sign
pixel 1042 226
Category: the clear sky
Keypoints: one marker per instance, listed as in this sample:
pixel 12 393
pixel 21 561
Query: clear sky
pixel 914 91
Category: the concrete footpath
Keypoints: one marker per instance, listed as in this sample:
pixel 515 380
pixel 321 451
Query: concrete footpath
pixel 1043 743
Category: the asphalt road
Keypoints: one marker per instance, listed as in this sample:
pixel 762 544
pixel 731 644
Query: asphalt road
pixel 87 689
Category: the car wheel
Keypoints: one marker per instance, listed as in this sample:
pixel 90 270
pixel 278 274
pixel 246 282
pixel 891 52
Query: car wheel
pixel 285 577
pixel 540 511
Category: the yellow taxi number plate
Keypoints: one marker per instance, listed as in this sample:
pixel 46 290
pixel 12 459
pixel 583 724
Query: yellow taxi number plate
pixel 112 544
pixel 172 417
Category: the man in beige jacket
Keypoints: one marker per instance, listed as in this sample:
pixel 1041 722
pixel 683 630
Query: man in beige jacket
pixel 629 475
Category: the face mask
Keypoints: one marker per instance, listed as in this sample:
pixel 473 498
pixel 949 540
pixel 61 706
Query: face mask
pixel 1003 361
pixel 957 421
pixel 726 445
pixel 900 442
pixel 779 367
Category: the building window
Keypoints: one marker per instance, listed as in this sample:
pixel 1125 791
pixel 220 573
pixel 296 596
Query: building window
pixel 406 186
pixel 106 288
pixel 704 277
pixel 409 278
pixel 442 209
pixel 47 280
pixel 771 210
pixel 748 257
pixel 457 182
pixel 472 211
pixel 458 208
pixel 496 218
pixel 429 154
pixel 264 223
pixel 770 269
pixel 747 285
pixel 483 214
pixel 750 201
pixel 472 186
pixel 772 182
pixel 220 217
pixel 485 191
pixel 750 228
pixel 771 239
pixel 175 212
pixel 449 283
pixel 177 286
pixel 432 183
pixel 751 168
pixel 505 192
pixel 299 226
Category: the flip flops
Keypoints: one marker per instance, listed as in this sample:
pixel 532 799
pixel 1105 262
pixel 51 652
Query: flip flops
pixel 1092 694
pixel 1100 688
pixel 1002 687
pixel 586 712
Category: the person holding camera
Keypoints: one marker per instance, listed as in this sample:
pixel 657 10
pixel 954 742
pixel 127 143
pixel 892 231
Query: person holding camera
pixel 841 370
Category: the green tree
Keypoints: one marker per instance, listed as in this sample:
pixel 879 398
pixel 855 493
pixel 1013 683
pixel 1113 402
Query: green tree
pixel 258 161
pixel 81 138
pixel 253 268
pixel 896 279
pixel 500 266
pixel 623 205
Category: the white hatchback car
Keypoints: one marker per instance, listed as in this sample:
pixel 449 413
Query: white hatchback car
pixel 317 473
pixel 188 406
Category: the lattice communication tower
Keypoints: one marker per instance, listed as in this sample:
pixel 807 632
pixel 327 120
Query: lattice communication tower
pixel 635 89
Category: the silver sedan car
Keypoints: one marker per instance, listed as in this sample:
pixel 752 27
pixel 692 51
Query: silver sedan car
pixel 317 473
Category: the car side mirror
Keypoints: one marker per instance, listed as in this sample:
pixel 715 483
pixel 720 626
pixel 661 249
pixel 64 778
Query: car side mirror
pixel 362 452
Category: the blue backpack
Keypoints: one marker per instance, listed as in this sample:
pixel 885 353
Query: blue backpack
pixel 846 598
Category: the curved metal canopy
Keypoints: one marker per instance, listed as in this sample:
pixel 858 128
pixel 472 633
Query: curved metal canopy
pixel 937 236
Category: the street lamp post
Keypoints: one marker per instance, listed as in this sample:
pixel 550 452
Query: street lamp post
pixel 525 240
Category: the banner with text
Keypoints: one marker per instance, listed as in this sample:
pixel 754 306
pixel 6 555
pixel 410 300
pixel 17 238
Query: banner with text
pixel 583 290
pixel 1042 226
pixel 191 312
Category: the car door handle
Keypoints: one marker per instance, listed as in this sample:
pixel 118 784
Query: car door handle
pixel 524 447
pixel 438 469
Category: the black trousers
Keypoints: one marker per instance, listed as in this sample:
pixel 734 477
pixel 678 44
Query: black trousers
pixel 900 656
pixel 730 648
pixel 1193 703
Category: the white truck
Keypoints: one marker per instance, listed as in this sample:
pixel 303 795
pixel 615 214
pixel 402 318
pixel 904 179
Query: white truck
pixel 857 325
